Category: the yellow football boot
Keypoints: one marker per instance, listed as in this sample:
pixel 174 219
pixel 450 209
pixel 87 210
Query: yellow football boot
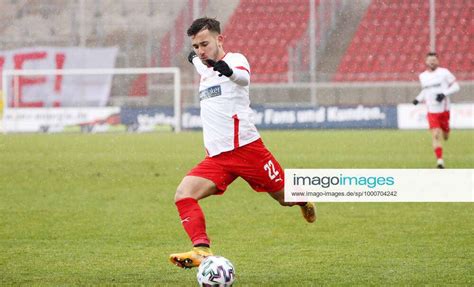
pixel 309 211
pixel 190 259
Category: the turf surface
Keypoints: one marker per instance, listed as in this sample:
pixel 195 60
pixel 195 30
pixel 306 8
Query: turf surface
pixel 98 209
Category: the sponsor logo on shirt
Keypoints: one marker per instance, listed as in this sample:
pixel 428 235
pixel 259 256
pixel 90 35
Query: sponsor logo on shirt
pixel 436 85
pixel 210 92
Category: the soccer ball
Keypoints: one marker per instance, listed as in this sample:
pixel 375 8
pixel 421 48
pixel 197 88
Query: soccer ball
pixel 216 271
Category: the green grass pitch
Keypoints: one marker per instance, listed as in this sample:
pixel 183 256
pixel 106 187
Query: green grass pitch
pixel 78 209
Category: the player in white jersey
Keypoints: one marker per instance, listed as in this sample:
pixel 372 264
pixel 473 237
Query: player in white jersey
pixel 225 105
pixel 233 145
pixel 437 84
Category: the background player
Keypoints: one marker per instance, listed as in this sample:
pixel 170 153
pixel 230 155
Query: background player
pixel 437 84
pixel 232 142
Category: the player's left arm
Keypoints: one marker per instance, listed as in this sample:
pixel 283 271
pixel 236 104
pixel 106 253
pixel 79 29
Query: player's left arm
pixel 238 74
pixel 453 87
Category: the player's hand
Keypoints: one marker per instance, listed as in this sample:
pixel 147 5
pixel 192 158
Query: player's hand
pixel 191 56
pixel 415 102
pixel 440 97
pixel 221 67
pixel 210 62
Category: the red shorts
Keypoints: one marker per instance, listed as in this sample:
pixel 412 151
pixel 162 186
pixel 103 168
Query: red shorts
pixel 439 120
pixel 253 162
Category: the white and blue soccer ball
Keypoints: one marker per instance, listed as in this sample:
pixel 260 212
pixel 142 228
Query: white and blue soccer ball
pixel 216 271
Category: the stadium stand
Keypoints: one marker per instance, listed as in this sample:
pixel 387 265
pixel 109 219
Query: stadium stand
pixel 134 26
pixel 271 27
pixel 387 45
pixel 393 38
pixel 56 22
pixel 172 41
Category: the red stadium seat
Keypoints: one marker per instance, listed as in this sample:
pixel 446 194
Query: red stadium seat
pixel 393 37
pixel 272 26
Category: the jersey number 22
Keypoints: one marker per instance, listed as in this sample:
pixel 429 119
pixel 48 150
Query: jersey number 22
pixel 270 168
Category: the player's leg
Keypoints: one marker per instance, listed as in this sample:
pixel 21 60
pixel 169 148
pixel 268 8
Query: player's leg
pixel 189 192
pixel 195 187
pixel 308 209
pixel 207 178
pixel 435 121
pixel 445 135
pixel 256 165
pixel 436 135
pixel 445 125
pixel 280 197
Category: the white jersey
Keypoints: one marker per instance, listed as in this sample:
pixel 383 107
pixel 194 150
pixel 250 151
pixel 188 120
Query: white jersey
pixel 439 81
pixel 225 106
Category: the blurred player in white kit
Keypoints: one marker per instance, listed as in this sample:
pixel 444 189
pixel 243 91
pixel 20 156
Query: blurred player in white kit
pixel 437 84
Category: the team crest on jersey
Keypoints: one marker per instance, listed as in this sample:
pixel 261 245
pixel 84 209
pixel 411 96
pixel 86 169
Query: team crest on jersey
pixel 210 92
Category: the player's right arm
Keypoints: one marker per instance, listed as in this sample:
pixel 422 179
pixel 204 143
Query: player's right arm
pixel 191 56
pixel 197 63
pixel 420 97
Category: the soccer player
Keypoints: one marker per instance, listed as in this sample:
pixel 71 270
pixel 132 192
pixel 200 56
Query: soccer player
pixel 233 145
pixel 437 84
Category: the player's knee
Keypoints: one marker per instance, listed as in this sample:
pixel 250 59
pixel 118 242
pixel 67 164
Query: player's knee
pixel 180 194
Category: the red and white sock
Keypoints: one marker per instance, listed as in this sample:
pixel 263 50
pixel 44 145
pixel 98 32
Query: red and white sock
pixel 193 220
pixel 438 152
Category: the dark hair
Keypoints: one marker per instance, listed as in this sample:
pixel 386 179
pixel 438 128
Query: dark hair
pixel 432 54
pixel 204 23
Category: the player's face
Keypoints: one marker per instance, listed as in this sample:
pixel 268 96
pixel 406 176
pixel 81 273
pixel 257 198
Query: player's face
pixel 208 45
pixel 432 62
